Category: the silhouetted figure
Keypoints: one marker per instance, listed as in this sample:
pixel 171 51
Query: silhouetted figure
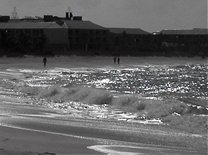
pixel 114 59
pixel 44 61
pixel 118 60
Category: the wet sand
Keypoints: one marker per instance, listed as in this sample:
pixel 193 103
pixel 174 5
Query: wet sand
pixel 34 142
pixel 77 62
pixel 25 128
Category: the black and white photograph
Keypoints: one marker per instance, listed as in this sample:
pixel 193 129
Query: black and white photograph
pixel 103 77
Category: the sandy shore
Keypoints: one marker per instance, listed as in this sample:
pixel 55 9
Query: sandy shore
pixel 31 62
pixel 38 130
pixel 19 141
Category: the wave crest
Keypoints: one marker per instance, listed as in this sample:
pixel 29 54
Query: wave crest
pixel 79 94
pixel 129 103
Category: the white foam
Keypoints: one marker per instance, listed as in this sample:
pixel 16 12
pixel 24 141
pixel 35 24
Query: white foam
pixel 39 85
pixel 139 150
pixel 107 149
pixel 101 82
pixel 153 121
pixel 29 70
pixel 176 114
pixel 62 69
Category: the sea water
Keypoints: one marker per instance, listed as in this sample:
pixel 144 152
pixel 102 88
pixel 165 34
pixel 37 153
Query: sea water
pixel 153 91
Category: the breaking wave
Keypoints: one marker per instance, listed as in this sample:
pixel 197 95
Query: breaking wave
pixel 78 94
pixel 172 112
pixel 128 103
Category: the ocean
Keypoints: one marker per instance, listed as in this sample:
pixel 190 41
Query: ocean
pixel 160 91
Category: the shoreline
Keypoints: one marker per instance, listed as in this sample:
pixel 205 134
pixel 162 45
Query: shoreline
pixel 27 141
pixel 21 130
pixel 32 62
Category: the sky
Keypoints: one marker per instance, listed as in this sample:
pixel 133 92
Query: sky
pixel 149 15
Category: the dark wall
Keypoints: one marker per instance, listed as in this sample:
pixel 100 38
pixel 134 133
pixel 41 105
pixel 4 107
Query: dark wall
pixel 159 45
pixel 102 42
pixel 184 45
pixel 88 41
pixel 132 44
pixel 21 42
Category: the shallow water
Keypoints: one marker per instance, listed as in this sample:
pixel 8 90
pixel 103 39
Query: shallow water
pixel 137 90
pixel 152 81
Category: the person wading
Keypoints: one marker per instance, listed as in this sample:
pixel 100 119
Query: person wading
pixel 114 60
pixel 44 61
pixel 118 60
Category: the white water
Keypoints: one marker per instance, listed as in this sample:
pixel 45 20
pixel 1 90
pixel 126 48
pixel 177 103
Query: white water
pixel 138 83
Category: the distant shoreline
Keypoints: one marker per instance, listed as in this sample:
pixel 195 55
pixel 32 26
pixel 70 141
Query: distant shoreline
pixel 73 61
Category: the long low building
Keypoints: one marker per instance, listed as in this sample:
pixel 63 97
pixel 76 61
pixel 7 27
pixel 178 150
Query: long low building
pixel 51 33
pixel 69 34
pixel 188 42
pixel 58 35
pixel 72 35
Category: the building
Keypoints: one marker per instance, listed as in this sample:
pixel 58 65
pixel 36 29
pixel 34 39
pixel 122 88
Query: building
pixel 125 41
pixel 184 42
pixel 86 36
pixel 72 35
pixel 33 35
pixel 69 34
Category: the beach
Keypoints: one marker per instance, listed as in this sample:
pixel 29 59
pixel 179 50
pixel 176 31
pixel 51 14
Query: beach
pixel 17 141
pixel 39 115
pixel 37 131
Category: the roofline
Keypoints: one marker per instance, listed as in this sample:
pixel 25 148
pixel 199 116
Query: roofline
pixel 145 32
pixel 45 26
pixel 194 31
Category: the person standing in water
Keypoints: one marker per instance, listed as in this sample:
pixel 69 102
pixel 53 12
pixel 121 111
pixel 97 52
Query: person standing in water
pixel 44 61
pixel 114 59
pixel 118 60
